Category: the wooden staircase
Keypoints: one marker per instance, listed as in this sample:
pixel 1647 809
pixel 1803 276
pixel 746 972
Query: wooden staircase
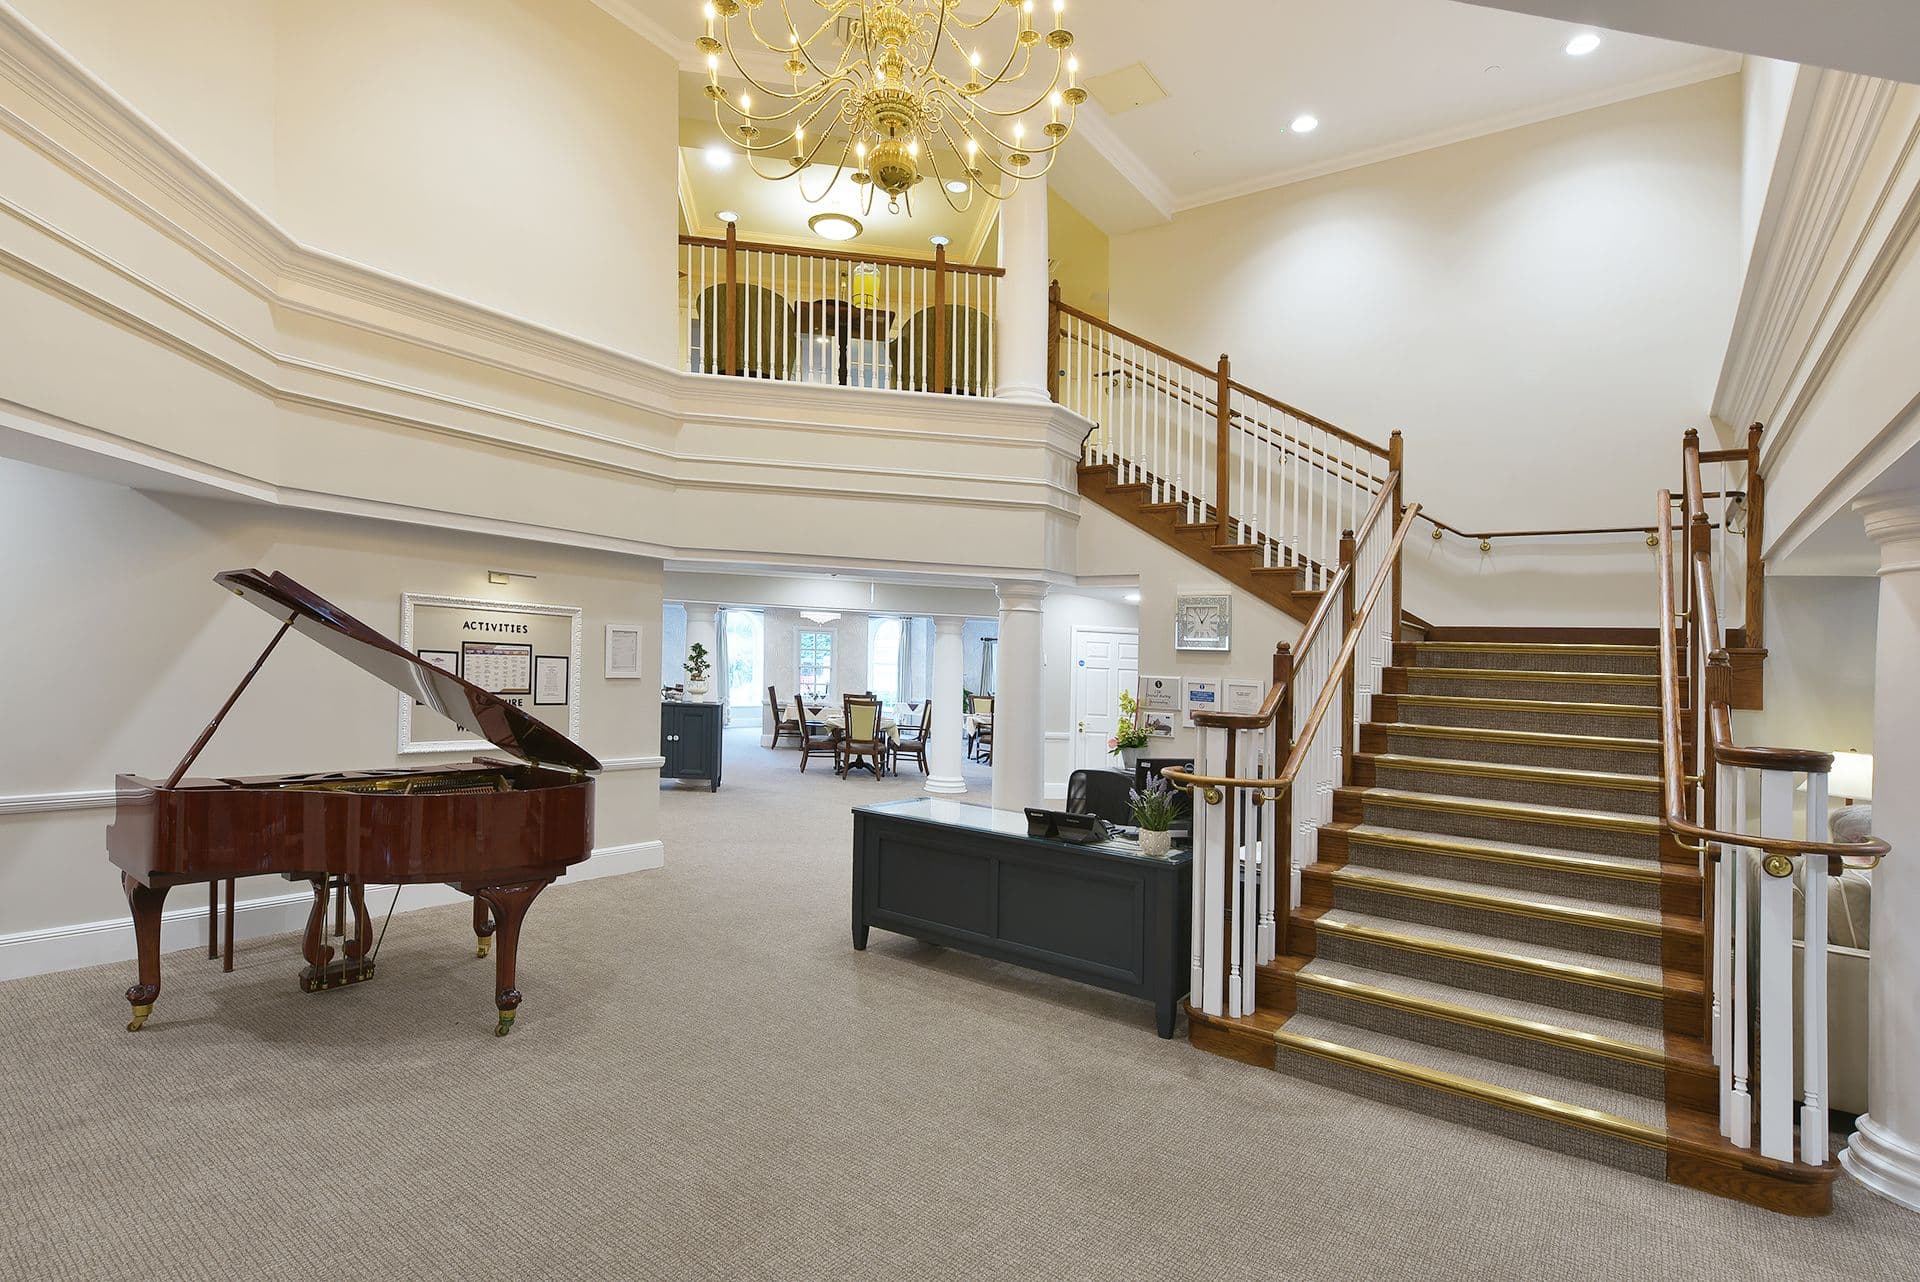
pixel 1497 931
pixel 1244 564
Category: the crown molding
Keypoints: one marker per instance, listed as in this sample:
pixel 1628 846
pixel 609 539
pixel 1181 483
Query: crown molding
pixel 1721 64
pixel 1097 131
pixel 630 15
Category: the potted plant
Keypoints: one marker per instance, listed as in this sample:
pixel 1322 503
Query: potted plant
pixel 1129 736
pixel 698 665
pixel 1155 809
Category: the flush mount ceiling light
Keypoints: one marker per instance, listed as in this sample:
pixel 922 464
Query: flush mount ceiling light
pixel 957 186
pixel 719 155
pixel 727 216
pixel 1304 124
pixel 938 240
pixel 835 226
pixel 1583 44
pixel 898 89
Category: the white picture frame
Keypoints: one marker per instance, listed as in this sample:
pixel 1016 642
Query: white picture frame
pixel 1159 705
pixel 425 612
pixel 1200 694
pixel 622 656
pixel 1243 697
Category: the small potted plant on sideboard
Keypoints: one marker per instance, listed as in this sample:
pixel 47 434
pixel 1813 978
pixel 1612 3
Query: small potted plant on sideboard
pixel 1156 811
pixel 698 665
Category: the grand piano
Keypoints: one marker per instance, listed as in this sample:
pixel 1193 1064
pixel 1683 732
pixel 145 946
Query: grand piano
pixel 499 830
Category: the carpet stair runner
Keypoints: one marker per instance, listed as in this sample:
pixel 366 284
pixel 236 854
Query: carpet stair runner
pixel 1496 930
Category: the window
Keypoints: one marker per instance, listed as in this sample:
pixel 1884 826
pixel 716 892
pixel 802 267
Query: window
pixel 883 659
pixel 745 689
pixel 816 664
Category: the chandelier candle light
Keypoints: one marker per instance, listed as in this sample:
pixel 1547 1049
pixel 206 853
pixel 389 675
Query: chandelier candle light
pixel 894 91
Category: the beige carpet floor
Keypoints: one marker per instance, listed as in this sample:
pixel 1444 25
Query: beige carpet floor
pixel 707 1082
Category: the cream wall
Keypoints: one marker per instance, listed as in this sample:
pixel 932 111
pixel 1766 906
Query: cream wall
pixel 1541 311
pixel 1766 91
pixel 1819 669
pixel 120 648
pixel 1080 256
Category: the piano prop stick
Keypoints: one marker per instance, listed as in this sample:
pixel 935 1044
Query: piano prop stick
pixel 499 830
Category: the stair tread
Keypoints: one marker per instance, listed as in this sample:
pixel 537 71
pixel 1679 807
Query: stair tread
pixel 1540 647
pixel 1536 674
pixel 1545 738
pixel 1565 775
pixel 1635 1109
pixel 1571 860
pixel 1499 898
pixel 1511 809
pixel 1646 1036
pixel 1640 973
pixel 1496 704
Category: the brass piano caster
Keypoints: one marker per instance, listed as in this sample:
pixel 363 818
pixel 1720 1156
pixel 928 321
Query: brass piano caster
pixel 482 945
pixel 139 1019
pixel 505 1025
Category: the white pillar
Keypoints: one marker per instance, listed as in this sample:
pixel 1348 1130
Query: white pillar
pixel 703 626
pixel 1019 699
pixel 1884 1153
pixel 1020 308
pixel 944 749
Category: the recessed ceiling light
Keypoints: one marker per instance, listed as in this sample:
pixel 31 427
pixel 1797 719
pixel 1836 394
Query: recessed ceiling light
pixel 938 240
pixel 957 186
pixel 727 216
pixel 719 156
pixel 835 226
pixel 1304 124
pixel 1132 598
pixel 1583 44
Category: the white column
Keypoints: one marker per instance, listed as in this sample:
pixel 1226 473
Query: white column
pixel 1020 340
pixel 703 626
pixel 1019 699
pixel 944 750
pixel 1884 1153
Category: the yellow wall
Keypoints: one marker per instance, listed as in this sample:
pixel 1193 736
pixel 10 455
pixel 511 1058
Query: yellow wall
pixel 1079 252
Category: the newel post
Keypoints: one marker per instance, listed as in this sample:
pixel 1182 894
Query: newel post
pixel 1053 341
pixel 1223 446
pixel 939 380
pixel 730 350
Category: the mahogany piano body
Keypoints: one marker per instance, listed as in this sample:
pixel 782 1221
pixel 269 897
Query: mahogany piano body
pixel 499 830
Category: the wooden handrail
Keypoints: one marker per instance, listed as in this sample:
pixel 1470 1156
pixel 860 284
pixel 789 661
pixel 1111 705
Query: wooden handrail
pixel 1067 309
pixel 835 255
pixel 1305 417
pixel 1336 678
pixel 1719 719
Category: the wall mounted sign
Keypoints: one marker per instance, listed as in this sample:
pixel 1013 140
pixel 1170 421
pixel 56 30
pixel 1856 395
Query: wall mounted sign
pixel 1243 697
pixel 1203 622
pixel 1200 694
pixel 1159 705
pixel 493 644
pixel 623 650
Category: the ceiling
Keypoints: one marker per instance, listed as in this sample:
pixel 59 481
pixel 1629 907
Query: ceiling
pixel 1384 78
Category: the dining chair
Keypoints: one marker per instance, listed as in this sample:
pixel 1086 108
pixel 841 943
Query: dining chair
pixel 1106 793
pixel 864 743
pixel 980 705
pixel 782 723
pixel 913 743
pixel 816 740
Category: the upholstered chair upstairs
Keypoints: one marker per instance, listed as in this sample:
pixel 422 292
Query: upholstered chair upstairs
pixel 864 743
pixel 912 743
pixel 969 351
pixel 815 740
pixel 766 332
pixel 785 723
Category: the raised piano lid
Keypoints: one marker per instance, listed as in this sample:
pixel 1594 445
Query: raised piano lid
pixel 465 704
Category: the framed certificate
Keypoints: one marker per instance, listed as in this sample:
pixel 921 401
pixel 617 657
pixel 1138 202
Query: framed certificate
pixel 549 680
pixel 445 660
pixel 1201 695
pixel 498 667
pixel 1243 697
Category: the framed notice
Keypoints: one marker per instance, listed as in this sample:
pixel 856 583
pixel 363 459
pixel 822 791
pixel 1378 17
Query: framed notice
pixel 493 644
pixel 550 680
pixel 1159 705
pixel 1243 697
pixel 623 651
pixel 1200 694
pixel 498 667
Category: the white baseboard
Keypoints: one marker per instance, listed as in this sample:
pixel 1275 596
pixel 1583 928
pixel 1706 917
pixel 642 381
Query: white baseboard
pixel 92 943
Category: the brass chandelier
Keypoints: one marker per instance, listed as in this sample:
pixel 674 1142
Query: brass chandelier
pixel 903 98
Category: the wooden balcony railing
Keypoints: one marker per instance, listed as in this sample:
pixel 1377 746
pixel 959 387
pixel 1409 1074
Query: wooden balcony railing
pixel 759 310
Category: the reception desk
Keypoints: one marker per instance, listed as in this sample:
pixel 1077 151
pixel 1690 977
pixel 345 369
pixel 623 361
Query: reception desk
pixel 969 877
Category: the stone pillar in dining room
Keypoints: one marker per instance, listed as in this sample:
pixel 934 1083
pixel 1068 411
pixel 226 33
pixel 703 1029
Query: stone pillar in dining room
pixel 703 626
pixel 945 752
pixel 1884 1152
pixel 1019 702
pixel 1020 306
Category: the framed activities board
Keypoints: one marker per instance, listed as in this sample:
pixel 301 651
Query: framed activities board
pixel 526 654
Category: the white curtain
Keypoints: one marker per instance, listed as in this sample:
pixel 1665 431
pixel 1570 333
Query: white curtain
pixel 903 679
pixel 723 680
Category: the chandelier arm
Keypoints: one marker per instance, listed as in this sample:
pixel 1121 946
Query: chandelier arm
pixel 939 179
pixel 806 54
pixel 757 148
pixel 839 168
pixel 816 94
pixel 1052 84
pixel 726 41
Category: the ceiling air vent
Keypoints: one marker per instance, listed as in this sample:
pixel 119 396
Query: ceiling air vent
pixel 1123 90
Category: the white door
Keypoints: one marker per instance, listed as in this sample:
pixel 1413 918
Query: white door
pixel 1105 662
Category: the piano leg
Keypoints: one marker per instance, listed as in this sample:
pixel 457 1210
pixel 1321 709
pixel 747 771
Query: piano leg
pixel 482 927
pixel 145 901
pixel 509 904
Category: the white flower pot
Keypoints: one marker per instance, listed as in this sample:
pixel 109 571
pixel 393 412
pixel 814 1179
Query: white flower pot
pixel 1156 844
pixel 698 689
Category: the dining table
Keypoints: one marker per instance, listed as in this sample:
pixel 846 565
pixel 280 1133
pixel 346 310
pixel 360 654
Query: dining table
pixel 828 715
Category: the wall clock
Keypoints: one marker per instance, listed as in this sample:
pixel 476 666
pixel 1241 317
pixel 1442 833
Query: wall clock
pixel 1203 623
